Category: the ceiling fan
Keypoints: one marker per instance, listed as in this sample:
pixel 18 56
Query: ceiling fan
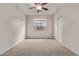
pixel 40 7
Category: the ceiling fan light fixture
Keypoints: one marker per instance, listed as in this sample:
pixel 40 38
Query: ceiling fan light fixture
pixel 39 7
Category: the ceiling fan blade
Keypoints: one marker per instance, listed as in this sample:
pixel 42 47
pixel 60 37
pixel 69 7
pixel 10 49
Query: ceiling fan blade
pixel 32 7
pixel 36 3
pixel 44 8
pixel 44 4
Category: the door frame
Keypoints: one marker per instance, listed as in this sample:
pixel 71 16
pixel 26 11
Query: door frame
pixel 58 28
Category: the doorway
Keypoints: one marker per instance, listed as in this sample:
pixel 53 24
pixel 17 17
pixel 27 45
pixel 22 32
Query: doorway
pixel 58 28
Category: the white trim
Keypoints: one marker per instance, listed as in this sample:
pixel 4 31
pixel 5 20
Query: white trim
pixel 19 39
pixel 70 49
pixel 12 46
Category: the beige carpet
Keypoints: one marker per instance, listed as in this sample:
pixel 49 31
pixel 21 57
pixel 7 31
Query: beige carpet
pixel 39 47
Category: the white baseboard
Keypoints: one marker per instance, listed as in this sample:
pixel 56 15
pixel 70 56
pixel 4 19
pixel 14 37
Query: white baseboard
pixel 70 49
pixel 12 46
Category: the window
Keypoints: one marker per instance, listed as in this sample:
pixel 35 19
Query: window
pixel 40 24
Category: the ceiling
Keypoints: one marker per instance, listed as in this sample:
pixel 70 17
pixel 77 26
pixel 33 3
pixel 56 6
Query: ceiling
pixel 52 8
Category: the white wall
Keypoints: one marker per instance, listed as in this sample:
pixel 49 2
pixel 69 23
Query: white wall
pixel 31 33
pixel 70 14
pixel 11 26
